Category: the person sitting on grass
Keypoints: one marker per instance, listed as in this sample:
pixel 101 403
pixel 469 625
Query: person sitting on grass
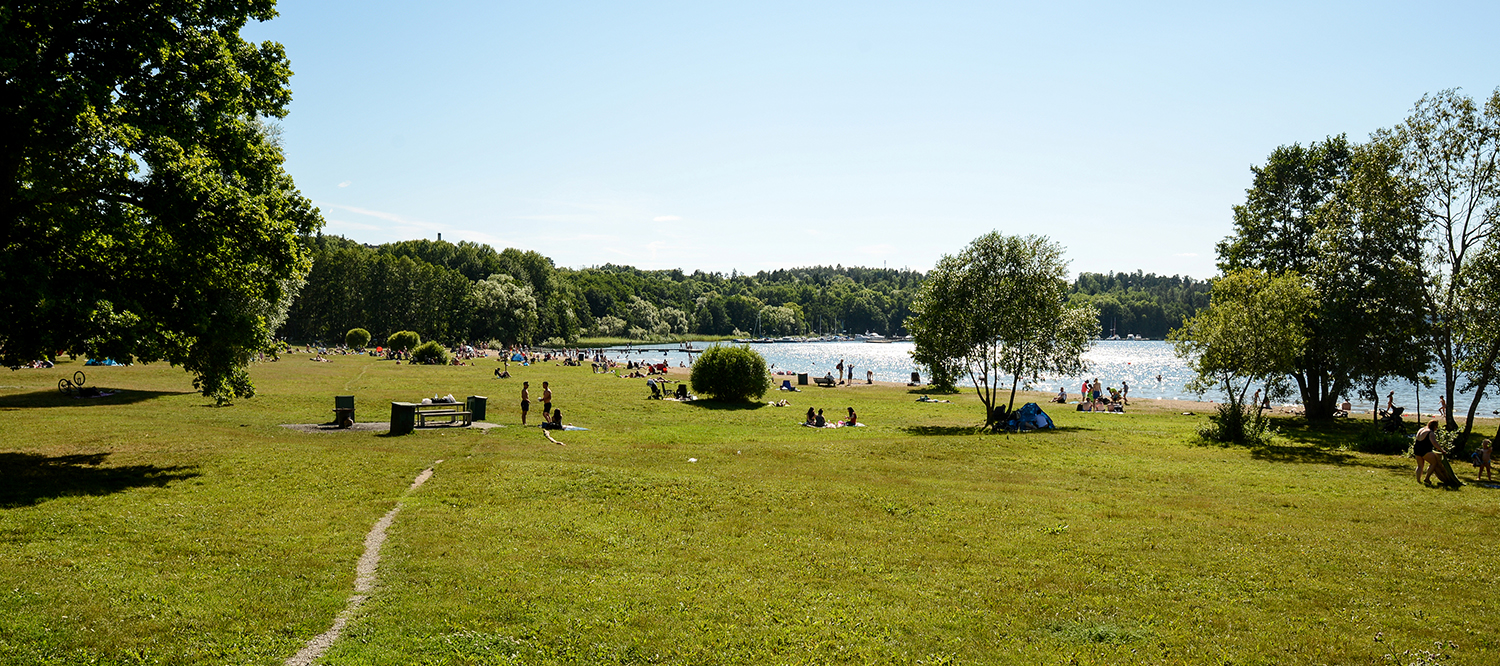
pixel 811 418
pixel 1062 396
pixel 555 423
pixel 852 421
pixel 820 421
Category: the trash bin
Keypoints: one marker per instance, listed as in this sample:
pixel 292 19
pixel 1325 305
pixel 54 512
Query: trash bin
pixel 343 405
pixel 476 407
pixel 403 417
pixel 916 378
pixel 802 379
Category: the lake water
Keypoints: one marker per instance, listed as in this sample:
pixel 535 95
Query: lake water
pixel 1136 362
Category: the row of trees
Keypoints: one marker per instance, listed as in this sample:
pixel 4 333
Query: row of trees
pixel 467 291
pixel 1388 248
pixel 1141 304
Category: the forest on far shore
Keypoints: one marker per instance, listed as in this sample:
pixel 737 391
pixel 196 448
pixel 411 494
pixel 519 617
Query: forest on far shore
pixel 456 292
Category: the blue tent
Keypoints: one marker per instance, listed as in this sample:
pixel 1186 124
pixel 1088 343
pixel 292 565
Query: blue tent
pixel 1029 417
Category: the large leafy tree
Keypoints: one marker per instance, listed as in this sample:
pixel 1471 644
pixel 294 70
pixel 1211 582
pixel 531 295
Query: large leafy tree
pixel 998 312
pixel 146 214
pixel 504 309
pixel 1251 335
pixel 1450 149
pixel 1335 213
pixel 1476 337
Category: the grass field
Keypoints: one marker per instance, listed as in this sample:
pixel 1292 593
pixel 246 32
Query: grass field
pixel 150 527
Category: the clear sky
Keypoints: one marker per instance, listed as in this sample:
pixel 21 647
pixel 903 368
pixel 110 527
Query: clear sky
pixel 718 136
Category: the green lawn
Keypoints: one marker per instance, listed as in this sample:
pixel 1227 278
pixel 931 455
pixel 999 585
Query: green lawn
pixel 150 527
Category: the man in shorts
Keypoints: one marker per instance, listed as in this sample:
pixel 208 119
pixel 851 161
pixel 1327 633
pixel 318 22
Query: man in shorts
pixel 546 402
pixel 525 400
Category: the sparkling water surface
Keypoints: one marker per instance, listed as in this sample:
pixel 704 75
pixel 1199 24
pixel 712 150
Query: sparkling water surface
pixel 1134 362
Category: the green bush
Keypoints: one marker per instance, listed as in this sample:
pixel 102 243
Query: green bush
pixel 1236 425
pixel 730 373
pixel 403 340
pixel 1374 439
pixel 430 353
pixel 357 338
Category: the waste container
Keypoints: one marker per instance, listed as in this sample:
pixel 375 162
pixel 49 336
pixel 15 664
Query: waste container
pixel 343 407
pixel 802 379
pixel 403 417
pixel 916 378
pixel 476 407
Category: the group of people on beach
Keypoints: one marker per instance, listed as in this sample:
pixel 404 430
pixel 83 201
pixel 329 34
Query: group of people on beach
pixel 1091 396
pixel 817 420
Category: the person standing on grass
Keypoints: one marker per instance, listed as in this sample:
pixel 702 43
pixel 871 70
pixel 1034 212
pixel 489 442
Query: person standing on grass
pixel 840 368
pixel 1426 449
pixel 1484 462
pixel 525 400
pixel 1125 391
pixel 1443 406
pixel 546 401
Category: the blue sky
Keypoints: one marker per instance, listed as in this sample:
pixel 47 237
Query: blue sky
pixel 721 136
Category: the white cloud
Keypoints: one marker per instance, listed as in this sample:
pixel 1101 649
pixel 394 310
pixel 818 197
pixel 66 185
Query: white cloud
pixel 666 218
pixel 346 183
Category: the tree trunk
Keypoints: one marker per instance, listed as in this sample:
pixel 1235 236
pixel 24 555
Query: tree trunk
pixel 1484 381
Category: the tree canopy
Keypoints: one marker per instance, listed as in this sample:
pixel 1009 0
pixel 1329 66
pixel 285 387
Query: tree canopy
pixel 146 214
pixel 1336 214
pixel 1450 150
pixel 999 310
pixel 1252 334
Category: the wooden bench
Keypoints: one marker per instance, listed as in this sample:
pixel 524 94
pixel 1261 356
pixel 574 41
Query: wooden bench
pixel 453 411
pixel 823 381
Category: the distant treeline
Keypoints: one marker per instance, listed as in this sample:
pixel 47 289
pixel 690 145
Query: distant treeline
pixel 470 292
pixel 1141 304
pixel 455 292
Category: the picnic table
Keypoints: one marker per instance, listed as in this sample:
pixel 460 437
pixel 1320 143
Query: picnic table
pixel 453 411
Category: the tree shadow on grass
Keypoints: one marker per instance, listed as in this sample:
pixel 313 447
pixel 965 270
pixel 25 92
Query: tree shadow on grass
pixel 721 404
pixel 929 390
pixel 28 478
pixel 951 431
pixel 55 398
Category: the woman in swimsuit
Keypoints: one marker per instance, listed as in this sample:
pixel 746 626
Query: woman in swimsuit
pixel 1426 449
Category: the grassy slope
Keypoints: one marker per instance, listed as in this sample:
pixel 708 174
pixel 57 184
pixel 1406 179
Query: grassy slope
pixel 1110 540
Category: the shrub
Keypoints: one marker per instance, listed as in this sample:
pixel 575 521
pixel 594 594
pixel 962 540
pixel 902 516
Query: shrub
pixel 1236 425
pixel 357 338
pixel 403 340
pixel 730 373
pixel 555 343
pixel 430 353
pixel 1374 439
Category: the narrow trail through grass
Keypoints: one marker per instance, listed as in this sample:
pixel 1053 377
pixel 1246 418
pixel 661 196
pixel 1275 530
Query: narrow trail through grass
pixel 365 575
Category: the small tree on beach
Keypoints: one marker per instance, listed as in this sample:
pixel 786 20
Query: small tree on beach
pixel 1250 335
pixel 999 311
pixel 730 373
pixel 430 353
